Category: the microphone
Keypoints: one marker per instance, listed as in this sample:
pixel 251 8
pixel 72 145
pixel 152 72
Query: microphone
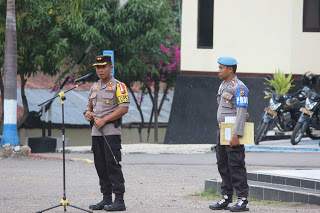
pixel 83 77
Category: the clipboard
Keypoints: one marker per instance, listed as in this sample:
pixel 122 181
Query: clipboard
pixel 226 132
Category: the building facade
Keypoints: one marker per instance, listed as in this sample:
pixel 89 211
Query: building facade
pixel 263 36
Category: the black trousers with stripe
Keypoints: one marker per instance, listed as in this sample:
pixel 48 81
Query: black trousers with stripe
pixel 110 174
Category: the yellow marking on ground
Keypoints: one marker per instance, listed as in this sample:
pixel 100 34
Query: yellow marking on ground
pixel 83 159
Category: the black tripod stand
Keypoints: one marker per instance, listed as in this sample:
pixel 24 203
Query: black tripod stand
pixel 64 201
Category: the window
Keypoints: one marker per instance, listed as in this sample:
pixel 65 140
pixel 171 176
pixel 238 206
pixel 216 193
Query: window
pixel 311 16
pixel 205 24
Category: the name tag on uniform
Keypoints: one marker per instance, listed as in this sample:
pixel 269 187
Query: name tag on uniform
pixel 230 119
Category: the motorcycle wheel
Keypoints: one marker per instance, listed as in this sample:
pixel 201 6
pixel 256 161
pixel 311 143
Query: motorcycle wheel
pixel 261 132
pixel 311 135
pixel 297 134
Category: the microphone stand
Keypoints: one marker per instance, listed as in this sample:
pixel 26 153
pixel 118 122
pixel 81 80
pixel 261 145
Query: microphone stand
pixel 105 139
pixel 64 201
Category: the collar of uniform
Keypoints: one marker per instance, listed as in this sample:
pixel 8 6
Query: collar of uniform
pixel 235 78
pixel 112 80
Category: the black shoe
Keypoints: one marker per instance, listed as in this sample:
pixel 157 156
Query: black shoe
pixel 223 203
pixel 240 205
pixel 116 206
pixel 100 205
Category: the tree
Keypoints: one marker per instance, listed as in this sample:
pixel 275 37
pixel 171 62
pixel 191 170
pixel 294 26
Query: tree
pixel 146 45
pixel 137 30
pixel 163 69
pixel 42 41
pixel 10 134
pixel 53 34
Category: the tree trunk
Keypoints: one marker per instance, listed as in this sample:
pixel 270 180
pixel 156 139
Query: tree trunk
pixel 2 99
pixel 151 115
pixel 155 109
pixel 24 101
pixel 140 112
pixel 10 134
pixel 163 98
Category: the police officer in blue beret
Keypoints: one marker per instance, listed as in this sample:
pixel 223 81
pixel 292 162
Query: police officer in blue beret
pixel 232 101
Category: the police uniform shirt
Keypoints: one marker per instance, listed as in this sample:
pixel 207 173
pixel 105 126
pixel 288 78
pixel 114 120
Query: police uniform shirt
pixel 106 98
pixel 232 99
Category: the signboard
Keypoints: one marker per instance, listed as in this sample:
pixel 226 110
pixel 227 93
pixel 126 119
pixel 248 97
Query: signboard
pixel 110 53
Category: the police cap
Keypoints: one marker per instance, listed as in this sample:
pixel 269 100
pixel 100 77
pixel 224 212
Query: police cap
pixel 227 61
pixel 102 60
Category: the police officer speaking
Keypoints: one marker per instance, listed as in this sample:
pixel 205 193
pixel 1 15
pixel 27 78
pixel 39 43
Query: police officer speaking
pixel 108 102
pixel 232 101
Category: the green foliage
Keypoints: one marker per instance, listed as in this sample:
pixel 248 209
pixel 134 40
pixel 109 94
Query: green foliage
pixel 53 34
pixel 280 82
pixel 41 44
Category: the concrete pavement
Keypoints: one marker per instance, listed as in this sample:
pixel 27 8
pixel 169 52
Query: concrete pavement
pixel 306 145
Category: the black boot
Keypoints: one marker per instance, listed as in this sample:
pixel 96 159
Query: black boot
pixel 223 203
pixel 117 205
pixel 241 205
pixel 107 200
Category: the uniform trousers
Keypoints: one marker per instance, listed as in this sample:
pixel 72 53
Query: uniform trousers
pixel 231 166
pixel 110 174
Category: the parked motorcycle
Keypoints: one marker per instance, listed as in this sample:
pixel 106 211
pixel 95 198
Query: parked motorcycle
pixel 309 120
pixel 283 111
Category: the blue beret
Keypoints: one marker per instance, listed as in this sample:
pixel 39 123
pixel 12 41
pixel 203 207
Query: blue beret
pixel 227 61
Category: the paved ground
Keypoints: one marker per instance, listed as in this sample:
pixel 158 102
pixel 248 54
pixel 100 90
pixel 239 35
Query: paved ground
pixel 306 145
pixel 154 183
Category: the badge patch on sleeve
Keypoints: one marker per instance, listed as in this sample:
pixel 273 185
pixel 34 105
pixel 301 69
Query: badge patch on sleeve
pixel 93 95
pixel 122 93
pixel 241 96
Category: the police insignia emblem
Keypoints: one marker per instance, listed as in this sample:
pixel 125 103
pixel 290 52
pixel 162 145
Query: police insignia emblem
pixel 226 96
pixel 242 91
pixel 232 84
pixel 93 103
pixel 93 95
pixel 96 86
pixel 107 101
pixel 123 89
pixel 109 87
pixel 110 83
pixel 227 102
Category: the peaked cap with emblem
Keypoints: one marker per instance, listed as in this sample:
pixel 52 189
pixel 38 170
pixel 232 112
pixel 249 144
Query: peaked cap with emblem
pixel 102 60
pixel 227 61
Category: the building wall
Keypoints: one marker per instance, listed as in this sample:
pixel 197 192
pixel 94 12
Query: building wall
pixel 193 118
pixel 82 137
pixel 305 45
pixel 262 35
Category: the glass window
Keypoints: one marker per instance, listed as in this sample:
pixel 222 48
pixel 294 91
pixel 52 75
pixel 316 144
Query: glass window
pixel 311 16
pixel 205 24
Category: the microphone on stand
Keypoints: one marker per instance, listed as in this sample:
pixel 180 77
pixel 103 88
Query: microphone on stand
pixel 83 77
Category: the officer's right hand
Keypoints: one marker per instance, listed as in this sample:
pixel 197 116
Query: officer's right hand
pixel 89 116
